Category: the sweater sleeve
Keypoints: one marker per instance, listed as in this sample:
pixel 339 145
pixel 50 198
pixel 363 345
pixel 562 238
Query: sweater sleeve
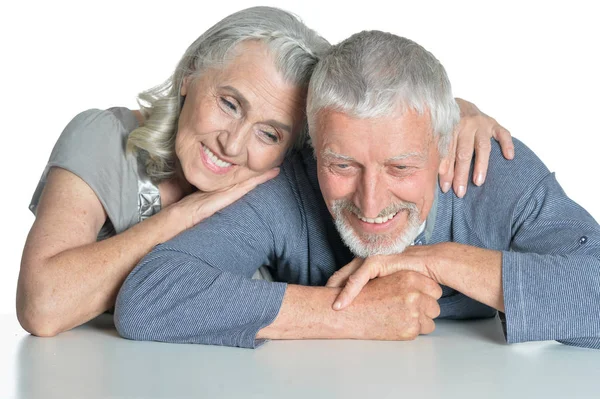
pixel 551 275
pixel 197 287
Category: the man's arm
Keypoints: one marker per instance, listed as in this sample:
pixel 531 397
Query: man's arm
pixel 196 287
pixel 173 296
pixel 548 283
pixel 397 307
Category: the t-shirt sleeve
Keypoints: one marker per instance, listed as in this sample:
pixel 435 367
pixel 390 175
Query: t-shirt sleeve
pixel 92 146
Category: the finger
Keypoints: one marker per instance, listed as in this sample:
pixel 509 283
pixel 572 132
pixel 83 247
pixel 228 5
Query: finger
pixel 222 199
pixel 339 278
pixel 427 325
pixel 446 178
pixel 430 307
pixel 483 147
pixel 432 289
pixel 506 142
pixel 464 155
pixel 354 285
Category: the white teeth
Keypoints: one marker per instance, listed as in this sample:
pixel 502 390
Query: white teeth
pixel 378 220
pixel 217 161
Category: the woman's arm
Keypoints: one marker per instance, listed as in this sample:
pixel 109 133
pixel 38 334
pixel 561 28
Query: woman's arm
pixel 66 277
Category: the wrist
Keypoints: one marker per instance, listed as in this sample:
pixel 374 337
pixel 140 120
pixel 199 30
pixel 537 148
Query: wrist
pixel 168 223
pixel 441 261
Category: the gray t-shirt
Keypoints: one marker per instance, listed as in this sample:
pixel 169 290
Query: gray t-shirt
pixel 92 146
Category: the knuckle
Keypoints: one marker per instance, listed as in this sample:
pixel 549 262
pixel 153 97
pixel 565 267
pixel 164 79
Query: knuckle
pixel 433 289
pixel 483 144
pixel 464 155
pixel 411 331
pixel 353 280
pixel 411 298
pixel 482 119
pixel 466 122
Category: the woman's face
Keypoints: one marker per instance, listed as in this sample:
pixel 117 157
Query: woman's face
pixel 237 122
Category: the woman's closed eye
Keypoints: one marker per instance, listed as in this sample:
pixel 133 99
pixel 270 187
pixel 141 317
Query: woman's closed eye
pixel 230 106
pixel 269 136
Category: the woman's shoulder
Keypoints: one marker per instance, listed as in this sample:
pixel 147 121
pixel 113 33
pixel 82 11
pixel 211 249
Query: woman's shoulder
pixel 93 147
pixel 97 126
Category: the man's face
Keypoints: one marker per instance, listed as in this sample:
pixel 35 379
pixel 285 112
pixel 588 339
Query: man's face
pixel 378 177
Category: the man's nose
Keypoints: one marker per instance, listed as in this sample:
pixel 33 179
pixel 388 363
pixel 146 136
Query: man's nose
pixel 235 140
pixel 372 194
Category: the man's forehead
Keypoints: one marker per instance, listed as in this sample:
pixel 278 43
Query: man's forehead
pixel 394 138
pixel 329 153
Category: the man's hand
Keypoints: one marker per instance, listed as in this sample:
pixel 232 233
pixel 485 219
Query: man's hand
pixel 473 134
pixel 475 272
pixel 356 274
pixel 396 307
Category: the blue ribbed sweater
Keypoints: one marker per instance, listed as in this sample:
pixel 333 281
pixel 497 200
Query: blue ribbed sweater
pixel 197 288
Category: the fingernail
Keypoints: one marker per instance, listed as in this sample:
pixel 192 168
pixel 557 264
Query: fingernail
pixel 479 179
pixel 446 187
pixel 511 153
pixel 337 305
pixel 461 191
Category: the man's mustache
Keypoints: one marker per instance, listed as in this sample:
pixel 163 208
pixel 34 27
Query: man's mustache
pixel 345 204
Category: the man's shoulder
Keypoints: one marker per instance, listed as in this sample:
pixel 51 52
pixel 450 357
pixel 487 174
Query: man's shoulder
pixel 484 216
pixel 289 185
pixel 507 183
pixel 279 201
pixel 516 176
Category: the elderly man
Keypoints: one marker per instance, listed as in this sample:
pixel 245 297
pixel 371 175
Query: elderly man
pixel 381 114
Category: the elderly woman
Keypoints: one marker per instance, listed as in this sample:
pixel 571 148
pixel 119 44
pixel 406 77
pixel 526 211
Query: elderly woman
pixel 119 182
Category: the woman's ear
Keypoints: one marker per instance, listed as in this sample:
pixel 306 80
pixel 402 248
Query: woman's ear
pixel 185 85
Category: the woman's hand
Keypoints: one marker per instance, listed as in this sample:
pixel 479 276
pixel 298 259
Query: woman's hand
pixel 195 207
pixel 473 133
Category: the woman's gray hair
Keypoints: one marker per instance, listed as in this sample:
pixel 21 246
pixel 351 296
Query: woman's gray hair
pixel 372 73
pixel 295 48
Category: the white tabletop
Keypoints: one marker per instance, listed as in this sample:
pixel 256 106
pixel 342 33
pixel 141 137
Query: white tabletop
pixel 462 359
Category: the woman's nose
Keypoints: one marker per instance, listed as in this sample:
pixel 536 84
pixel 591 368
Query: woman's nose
pixel 234 141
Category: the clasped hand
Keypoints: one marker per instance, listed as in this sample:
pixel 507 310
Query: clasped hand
pixel 355 275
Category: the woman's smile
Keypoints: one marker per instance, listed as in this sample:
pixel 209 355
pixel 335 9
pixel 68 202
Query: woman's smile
pixel 214 162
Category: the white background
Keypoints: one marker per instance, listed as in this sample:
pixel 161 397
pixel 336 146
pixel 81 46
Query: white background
pixel 533 65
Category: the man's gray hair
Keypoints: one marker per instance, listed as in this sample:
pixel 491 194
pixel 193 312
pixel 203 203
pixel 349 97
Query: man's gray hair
pixel 295 48
pixel 371 74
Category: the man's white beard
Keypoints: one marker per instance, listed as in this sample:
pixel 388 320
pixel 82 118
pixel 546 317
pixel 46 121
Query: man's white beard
pixel 366 245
